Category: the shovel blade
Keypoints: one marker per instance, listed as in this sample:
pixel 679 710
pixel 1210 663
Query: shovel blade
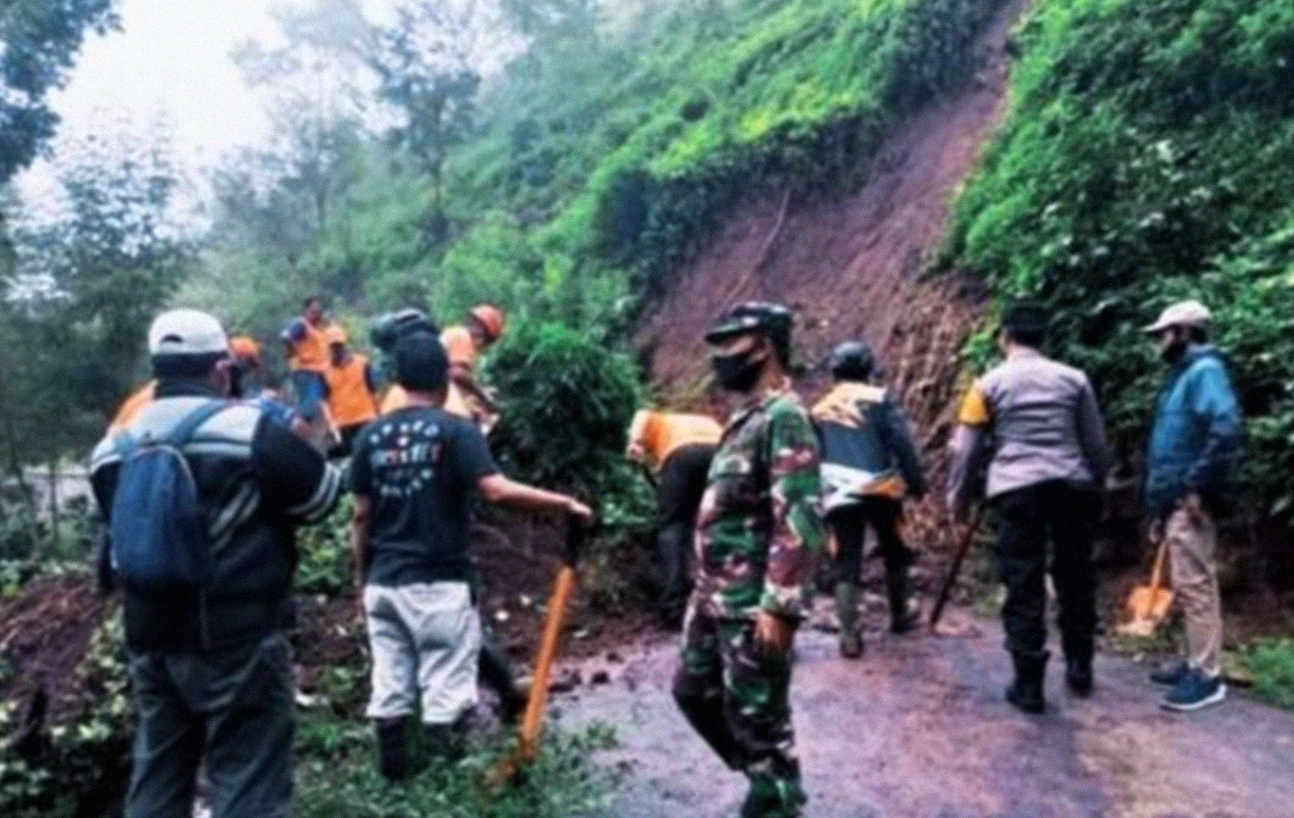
pixel 1147 608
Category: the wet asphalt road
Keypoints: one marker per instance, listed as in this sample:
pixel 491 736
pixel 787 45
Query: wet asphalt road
pixel 918 729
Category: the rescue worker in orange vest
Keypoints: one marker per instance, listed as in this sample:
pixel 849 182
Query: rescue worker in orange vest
pixel 464 343
pixel 351 400
pixel 306 339
pixel 677 448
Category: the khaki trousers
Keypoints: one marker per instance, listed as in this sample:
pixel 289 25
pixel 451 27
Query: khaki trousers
pixel 1192 546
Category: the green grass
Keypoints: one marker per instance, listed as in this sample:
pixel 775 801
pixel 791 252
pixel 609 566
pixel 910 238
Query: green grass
pixel 337 778
pixel 1270 663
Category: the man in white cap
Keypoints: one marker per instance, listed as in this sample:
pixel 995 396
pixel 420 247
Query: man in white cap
pixel 1193 445
pixel 202 496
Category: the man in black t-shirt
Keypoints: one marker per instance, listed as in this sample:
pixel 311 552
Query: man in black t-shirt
pixel 413 473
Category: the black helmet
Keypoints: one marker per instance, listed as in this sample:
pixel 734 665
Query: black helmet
pixel 388 329
pixel 773 321
pixel 851 361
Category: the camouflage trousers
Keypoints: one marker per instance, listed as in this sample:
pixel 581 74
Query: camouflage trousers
pixel 738 699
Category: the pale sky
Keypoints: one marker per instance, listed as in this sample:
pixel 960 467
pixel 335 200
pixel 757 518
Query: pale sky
pixel 170 63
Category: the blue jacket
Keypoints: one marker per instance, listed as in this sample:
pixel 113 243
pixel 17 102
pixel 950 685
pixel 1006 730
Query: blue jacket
pixel 1196 438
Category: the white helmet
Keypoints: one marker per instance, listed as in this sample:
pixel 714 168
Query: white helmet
pixel 186 332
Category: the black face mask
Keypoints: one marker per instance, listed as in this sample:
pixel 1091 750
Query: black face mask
pixel 737 373
pixel 1174 352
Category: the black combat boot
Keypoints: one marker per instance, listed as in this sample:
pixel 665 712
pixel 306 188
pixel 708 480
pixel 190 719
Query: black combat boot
pixel 393 748
pixel 1078 671
pixel 897 588
pixel 1025 693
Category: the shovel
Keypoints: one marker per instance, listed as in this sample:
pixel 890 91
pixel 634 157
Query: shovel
pixel 531 721
pixel 1148 604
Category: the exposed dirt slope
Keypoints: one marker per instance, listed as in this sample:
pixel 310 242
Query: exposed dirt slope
pixel 850 267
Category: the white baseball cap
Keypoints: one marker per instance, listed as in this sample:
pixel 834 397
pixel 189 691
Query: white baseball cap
pixel 186 332
pixel 1182 314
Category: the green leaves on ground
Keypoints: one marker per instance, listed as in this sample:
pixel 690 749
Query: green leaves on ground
pixel 344 783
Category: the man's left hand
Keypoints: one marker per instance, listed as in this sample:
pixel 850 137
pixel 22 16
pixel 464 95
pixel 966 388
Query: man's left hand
pixel 773 633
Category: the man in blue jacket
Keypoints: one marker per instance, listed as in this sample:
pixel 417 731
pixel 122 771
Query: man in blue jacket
pixel 1193 445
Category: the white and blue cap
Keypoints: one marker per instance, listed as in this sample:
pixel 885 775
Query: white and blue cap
pixel 187 332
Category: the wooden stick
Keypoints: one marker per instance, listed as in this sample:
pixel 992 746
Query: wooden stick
pixel 958 558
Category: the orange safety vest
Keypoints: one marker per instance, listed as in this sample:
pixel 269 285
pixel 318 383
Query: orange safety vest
pixel 660 433
pixel 132 406
pixel 349 399
pixel 310 354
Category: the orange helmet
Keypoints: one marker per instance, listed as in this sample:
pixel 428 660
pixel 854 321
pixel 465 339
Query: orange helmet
pixel 245 350
pixel 335 334
pixel 491 319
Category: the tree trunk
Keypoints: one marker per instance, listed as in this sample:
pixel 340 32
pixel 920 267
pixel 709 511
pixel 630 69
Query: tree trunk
pixel 55 537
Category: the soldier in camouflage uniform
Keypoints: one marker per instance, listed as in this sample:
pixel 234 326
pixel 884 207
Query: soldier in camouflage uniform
pixel 758 531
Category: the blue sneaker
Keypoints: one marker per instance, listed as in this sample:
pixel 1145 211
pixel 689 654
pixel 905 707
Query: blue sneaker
pixel 1195 690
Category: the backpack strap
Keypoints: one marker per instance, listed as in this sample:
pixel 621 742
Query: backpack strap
pixel 190 423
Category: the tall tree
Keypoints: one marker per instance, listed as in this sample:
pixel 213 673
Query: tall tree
pixel 86 283
pixel 39 40
pixel 429 65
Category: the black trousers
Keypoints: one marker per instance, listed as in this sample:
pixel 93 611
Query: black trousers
pixel 849 524
pixel 678 496
pixel 1063 515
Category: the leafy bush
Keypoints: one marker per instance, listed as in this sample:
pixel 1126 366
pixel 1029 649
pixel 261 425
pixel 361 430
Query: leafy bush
pixel 1149 156
pixel 325 565
pixel 570 400
pixel 1271 664
pixel 563 783
pixel 83 769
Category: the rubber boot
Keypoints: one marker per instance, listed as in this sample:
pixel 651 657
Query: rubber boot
pixel 1026 692
pixel 494 670
pixel 851 634
pixel 897 588
pixel 1078 665
pixel 393 748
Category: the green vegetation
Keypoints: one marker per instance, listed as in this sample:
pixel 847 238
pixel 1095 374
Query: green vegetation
pixel 578 179
pixel 1271 664
pixel 570 402
pixel 84 761
pixel 337 778
pixel 1148 156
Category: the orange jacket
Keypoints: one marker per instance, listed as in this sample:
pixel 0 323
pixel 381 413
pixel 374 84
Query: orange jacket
pixel 311 352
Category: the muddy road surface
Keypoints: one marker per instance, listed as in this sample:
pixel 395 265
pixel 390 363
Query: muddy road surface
pixel 918 729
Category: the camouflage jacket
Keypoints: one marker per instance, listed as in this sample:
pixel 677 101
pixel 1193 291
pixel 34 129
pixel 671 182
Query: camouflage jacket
pixel 760 522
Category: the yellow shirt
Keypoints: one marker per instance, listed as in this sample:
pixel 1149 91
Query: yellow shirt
pixel 660 433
